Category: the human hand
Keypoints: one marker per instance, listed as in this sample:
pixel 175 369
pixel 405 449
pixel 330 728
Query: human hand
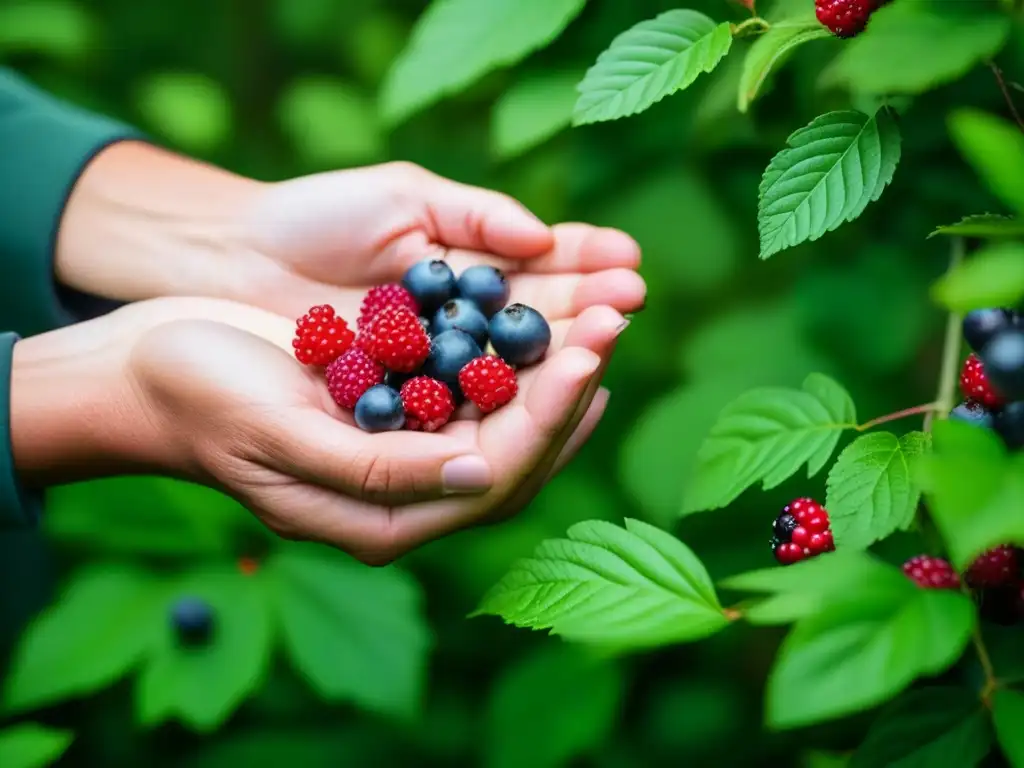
pixel 207 390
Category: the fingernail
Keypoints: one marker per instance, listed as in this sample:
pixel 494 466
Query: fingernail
pixel 622 326
pixel 466 474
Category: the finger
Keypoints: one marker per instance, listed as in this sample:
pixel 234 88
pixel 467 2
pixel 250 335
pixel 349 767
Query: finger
pixel 562 296
pixel 584 430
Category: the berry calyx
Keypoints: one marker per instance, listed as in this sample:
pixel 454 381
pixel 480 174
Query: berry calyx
pixel 395 338
pixel 351 375
pixel 931 572
pixel 998 567
pixel 428 404
pixel 975 385
pixel 844 18
pixel 381 296
pixel 488 382
pixel 321 336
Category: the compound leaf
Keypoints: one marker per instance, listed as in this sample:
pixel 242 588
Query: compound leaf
pixel 927 728
pixel 871 491
pixel 355 633
pixel 648 62
pixel 765 436
pixel 455 42
pixel 827 175
pixel 621 588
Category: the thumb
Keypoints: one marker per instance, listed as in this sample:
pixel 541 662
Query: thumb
pixel 388 468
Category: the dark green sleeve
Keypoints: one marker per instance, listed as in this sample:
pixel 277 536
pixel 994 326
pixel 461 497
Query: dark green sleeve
pixel 18 508
pixel 45 145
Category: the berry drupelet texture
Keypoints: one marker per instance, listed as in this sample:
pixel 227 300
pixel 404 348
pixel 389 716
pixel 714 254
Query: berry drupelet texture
pixel 998 567
pixel 802 530
pixel 844 18
pixel 321 336
pixel 931 572
pixel 380 409
pixel 381 296
pixel 488 382
pixel 351 375
pixel 428 404
pixel 975 384
pixel 431 283
pixel 450 352
pixel 396 339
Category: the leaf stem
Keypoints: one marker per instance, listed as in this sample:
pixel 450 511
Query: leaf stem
pixel 991 683
pixel 950 349
pixel 754 23
pixel 1001 82
pixel 927 408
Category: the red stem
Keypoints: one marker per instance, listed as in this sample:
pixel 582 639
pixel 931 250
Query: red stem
pixel 915 411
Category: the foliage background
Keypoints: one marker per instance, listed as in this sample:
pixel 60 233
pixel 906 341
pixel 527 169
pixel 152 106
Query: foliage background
pixel 276 88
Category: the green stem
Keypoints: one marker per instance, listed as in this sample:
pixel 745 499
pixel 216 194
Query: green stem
pixel 950 350
pixel 755 24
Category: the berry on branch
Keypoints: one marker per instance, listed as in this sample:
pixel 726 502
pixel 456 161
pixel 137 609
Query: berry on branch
pixel 998 567
pixel 801 531
pixel 931 572
pixel 974 384
pixel 844 18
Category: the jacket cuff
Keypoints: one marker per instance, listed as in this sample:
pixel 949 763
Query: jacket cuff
pixel 46 146
pixel 19 508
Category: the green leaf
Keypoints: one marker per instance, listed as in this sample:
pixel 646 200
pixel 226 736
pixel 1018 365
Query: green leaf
pixel 927 728
pixel 30 745
pixel 995 149
pixel 911 48
pixel 1007 715
pixel 531 112
pixel 455 42
pixel 974 490
pixel 993 277
pixel 827 175
pixel 985 225
pixel 355 633
pixel 648 62
pixel 765 436
pixel 91 637
pixel 864 646
pixel 190 109
pixel 203 686
pixel 551 707
pixel 871 491
pixel 330 122
pixel 772 49
pixel 631 588
pixel 58 28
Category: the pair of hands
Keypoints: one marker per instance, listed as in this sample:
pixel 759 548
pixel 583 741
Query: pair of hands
pixel 207 389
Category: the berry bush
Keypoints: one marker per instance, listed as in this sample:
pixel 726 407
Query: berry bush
pixel 795 539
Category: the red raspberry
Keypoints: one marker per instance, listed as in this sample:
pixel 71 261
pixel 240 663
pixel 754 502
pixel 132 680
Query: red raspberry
pixel 997 567
pixel 488 382
pixel 351 375
pixel 788 553
pixel 428 404
pixel 844 18
pixel 974 384
pixel 396 339
pixel 804 524
pixel 381 296
pixel 931 572
pixel 321 336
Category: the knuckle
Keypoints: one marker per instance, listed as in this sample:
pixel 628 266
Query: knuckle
pixel 405 170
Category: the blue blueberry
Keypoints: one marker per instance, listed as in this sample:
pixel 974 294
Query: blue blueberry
pixel 192 620
pixel 1003 358
pixel 431 283
pixel 1009 425
pixel 519 334
pixel 462 315
pixel 380 410
pixel 980 325
pixel 972 413
pixel 449 353
pixel 486 286
pixel 395 379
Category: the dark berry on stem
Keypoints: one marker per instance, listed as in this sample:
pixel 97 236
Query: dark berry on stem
pixel 192 620
pixel 1009 425
pixel 973 413
pixel 976 385
pixel 431 283
pixel 461 315
pixel 981 325
pixel 449 353
pixel 931 572
pixel 519 334
pixel 380 410
pixel 486 286
pixel 1003 358
pixel 998 567
pixel 784 526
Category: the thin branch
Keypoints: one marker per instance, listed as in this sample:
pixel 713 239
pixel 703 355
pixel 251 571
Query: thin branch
pixel 1006 94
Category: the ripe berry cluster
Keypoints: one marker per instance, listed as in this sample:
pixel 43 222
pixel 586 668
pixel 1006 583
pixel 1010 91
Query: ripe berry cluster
pixel 801 531
pixel 995 578
pixel 846 18
pixel 417 351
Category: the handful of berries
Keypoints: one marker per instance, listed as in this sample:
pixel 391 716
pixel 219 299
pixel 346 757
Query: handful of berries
pixel 417 351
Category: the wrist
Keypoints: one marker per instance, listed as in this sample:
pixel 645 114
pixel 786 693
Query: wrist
pixel 142 222
pixel 74 413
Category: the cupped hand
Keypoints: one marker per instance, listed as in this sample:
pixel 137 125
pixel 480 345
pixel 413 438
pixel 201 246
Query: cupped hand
pixel 327 238
pixel 242 415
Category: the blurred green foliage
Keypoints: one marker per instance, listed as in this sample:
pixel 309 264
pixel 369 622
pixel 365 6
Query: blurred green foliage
pixel 334 664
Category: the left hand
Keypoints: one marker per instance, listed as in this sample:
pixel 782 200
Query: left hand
pixel 327 238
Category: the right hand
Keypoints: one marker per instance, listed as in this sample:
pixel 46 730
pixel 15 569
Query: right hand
pixel 207 390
